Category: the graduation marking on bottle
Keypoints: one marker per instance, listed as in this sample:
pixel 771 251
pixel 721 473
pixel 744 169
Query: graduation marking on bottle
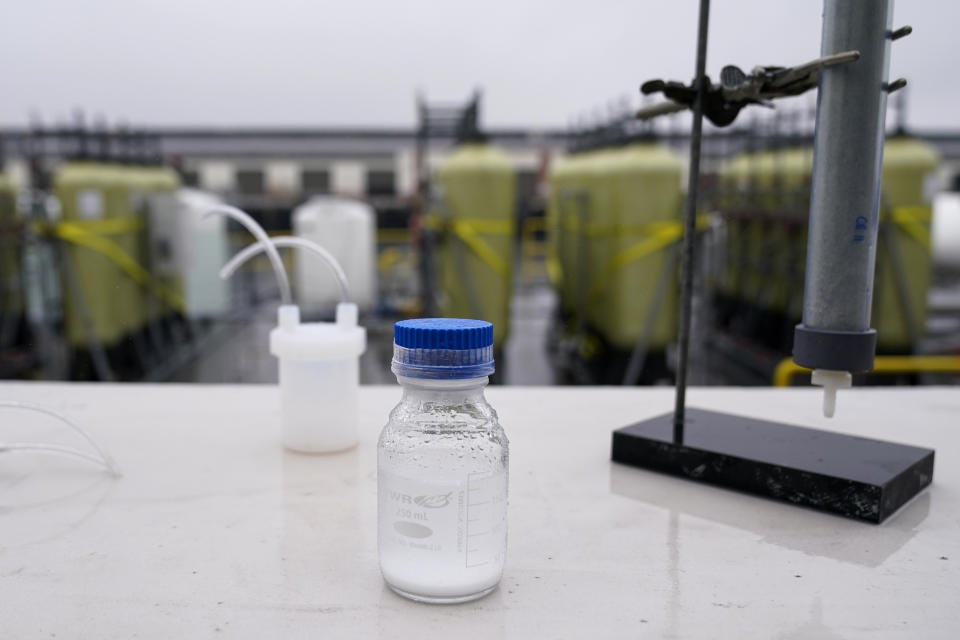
pixel 485 517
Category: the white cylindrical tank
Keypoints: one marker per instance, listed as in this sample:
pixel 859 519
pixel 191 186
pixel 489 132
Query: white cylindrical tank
pixel 946 231
pixel 347 229
pixel 202 250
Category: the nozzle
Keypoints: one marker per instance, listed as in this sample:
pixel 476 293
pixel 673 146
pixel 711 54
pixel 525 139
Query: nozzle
pixel 831 381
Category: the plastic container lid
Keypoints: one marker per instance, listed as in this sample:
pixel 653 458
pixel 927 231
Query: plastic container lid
pixel 318 341
pixel 443 348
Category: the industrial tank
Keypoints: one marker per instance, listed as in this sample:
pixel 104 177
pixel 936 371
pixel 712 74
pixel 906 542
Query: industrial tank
pixel 567 203
pixel 904 258
pixel 946 232
pixel 200 250
pixel 347 229
pixel 613 214
pixel 631 242
pixel 587 242
pixel 159 193
pixel 763 198
pixel 95 206
pixel 476 214
pixel 134 184
pixel 11 288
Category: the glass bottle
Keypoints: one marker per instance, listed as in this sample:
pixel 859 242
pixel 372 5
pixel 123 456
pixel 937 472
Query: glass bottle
pixel 442 466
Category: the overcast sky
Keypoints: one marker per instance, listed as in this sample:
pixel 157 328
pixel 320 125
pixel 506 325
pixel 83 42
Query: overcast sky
pixel 359 62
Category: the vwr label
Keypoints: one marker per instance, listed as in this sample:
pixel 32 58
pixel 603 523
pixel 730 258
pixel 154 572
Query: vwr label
pixel 467 518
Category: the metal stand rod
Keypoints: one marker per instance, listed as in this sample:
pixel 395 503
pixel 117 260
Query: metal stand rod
pixel 690 225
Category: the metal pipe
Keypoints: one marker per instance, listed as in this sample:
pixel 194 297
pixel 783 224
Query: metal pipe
pixel 835 335
pixel 690 225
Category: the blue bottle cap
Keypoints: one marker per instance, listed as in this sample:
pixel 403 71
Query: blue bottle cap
pixel 443 348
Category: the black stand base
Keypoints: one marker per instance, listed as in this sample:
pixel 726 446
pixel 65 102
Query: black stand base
pixel 854 477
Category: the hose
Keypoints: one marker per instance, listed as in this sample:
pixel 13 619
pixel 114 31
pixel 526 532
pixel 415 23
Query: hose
pixel 251 225
pixel 289 241
pixel 103 460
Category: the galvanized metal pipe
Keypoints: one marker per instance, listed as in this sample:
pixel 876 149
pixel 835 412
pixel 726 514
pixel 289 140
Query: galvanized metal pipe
pixel 845 194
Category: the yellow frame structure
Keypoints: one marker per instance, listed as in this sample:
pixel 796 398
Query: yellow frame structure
pixel 787 369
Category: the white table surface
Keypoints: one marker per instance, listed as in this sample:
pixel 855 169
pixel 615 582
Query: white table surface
pixel 215 531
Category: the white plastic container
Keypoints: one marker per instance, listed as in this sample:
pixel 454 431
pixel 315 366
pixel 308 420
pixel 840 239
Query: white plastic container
pixel 162 207
pixel 201 243
pixel 319 379
pixel 319 361
pixel 946 231
pixel 347 229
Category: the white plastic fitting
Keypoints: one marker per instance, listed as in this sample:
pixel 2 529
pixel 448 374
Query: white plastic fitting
pixel 319 378
pixel 831 381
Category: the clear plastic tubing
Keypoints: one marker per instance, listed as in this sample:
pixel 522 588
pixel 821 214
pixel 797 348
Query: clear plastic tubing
pixel 442 463
pixel 101 458
pixel 319 361
pixel 257 231
pixel 290 241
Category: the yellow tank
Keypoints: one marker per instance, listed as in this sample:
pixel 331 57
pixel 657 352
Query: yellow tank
pixel 593 233
pixel 477 208
pixel 157 205
pixel 569 202
pixel 11 289
pixel 164 246
pixel 135 184
pixel 769 181
pixel 95 201
pixel 645 206
pixel 766 196
pixel 579 194
pixel 559 174
pixel 905 213
pixel 614 210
